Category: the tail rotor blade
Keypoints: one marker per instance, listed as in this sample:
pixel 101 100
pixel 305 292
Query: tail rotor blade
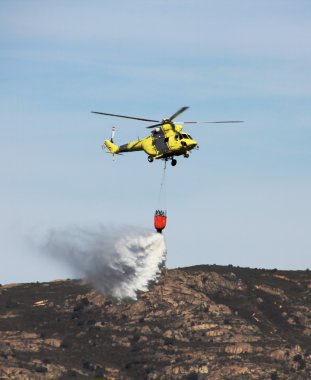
pixel 113 131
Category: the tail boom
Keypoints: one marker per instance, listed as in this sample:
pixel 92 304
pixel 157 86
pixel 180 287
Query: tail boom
pixel 130 147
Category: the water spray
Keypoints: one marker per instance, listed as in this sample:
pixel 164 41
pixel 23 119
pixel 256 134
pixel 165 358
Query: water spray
pixel 119 262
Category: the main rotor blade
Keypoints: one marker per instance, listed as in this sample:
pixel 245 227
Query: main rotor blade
pixel 181 110
pixel 210 122
pixel 125 117
pixel 155 125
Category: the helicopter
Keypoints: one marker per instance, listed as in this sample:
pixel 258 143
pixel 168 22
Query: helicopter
pixel 167 139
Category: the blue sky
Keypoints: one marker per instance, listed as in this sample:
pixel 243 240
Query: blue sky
pixel 242 199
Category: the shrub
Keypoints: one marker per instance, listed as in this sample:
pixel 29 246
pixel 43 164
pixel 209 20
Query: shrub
pixel 128 365
pixel 136 337
pixel 64 343
pixel 75 315
pixel 193 376
pixel 84 301
pixel 86 364
pixel 11 304
pixel 99 372
pixel 71 373
pixel 91 322
pixel 274 376
pixel 168 342
pixel 135 347
pixel 41 369
pixel 78 307
pixel 297 358
pixel 302 364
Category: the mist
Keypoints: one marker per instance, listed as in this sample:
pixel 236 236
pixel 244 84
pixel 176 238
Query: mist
pixel 118 262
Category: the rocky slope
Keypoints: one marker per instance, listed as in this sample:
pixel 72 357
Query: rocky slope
pixel 203 322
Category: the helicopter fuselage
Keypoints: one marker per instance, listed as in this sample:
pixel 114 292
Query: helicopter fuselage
pixel 165 142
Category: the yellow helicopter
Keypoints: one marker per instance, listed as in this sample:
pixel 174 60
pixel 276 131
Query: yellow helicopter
pixel 165 142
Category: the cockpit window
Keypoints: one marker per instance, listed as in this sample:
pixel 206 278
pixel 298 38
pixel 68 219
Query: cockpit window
pixel 184 136
pixel 190 137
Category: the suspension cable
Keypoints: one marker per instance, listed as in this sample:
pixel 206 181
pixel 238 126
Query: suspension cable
pixel 162 195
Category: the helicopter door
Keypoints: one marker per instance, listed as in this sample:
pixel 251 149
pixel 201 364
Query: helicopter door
pixel 159 142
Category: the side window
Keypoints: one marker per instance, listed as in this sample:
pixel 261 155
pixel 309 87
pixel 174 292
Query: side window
pixel 166 139
pixel 176 137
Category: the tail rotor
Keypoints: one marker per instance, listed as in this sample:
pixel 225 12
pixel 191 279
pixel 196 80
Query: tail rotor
pixel 113 131
pixel 108 143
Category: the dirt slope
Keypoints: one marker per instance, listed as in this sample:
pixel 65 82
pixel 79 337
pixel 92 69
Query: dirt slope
pixel 203 322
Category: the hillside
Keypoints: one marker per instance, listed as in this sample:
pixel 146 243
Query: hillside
pixel 202 322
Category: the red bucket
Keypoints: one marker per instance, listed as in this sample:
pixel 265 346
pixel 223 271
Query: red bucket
pixel 160 220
